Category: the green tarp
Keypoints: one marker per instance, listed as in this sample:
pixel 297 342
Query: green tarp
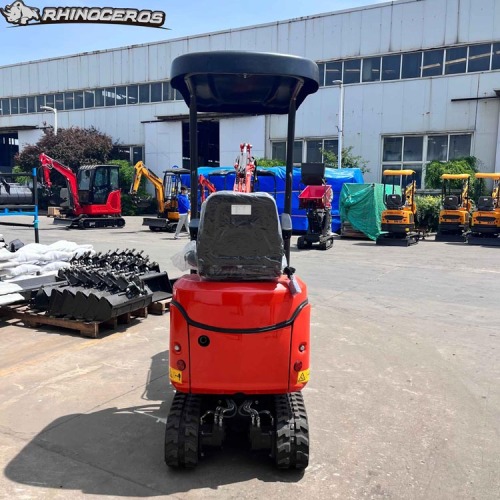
pixel 362 205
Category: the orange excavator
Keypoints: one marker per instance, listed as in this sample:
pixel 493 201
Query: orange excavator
pixel 485 223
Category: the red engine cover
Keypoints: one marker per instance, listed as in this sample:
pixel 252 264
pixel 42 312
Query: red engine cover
pixel 243 337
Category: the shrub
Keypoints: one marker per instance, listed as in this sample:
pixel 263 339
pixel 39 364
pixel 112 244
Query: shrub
pixel 428 208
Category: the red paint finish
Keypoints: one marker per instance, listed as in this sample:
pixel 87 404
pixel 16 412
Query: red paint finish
pixel 251 363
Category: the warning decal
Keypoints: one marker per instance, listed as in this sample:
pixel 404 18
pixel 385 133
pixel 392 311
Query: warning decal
pixel 303 377
pixel 175 375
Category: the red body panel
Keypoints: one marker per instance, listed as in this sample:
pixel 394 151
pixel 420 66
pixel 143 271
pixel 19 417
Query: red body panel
pixel 256 362
pixel 113 206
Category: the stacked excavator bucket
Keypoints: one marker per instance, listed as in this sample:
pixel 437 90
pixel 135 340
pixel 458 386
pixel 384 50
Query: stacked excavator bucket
pixel 103 286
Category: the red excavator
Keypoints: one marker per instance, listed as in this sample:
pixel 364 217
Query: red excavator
pixel 240 325
pixel 92 197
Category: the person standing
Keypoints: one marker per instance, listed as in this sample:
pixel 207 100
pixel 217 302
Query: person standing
pixel 184 206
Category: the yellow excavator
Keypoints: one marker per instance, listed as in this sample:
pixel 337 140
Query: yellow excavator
pixel 166 193
pixel 454 217
pixel 485 223
pixel 398 219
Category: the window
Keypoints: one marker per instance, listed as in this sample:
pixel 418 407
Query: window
pixel 69 100
pixel 479 57
pixel 352 71
pixel 371 69
pixel 279 151
pixel 60 102
pixel 121 96
pixel 132 94
pixel 155 92
pixel 31 105
pixel 495 60
pixel 14 106
pixel 89 98
pixel 178 96
pixel 459 146
pixel 321 69
pixel 456 60
pixel 313 151
pixel 109 96
pixel 144 93
pixel 5 106
pixel 315 147
pixel 333 72
pixel 40 101
pixel 167 91
pixel 391 67
pixel 23 105
pixel 50 100
pixel 433 63
pixel 411 65
pixel 99 98
pixel 416 151
pixel 79 99
pixel 437 148
pixel 393 149
pixel 137 154
pixel 413 149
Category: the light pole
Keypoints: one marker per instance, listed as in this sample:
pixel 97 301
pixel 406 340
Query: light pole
pixel 340 127
pixel 54 110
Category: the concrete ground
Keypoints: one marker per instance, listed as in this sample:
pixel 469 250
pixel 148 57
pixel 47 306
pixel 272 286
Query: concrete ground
pixel 403 402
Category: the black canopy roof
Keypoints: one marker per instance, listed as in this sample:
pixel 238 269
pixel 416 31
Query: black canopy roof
pixel 243 82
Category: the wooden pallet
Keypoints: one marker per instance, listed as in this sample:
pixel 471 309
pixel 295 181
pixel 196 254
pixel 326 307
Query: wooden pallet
pixel 160 307
pixel 90 329
pixel 53 211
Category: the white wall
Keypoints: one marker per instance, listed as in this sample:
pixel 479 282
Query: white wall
pixel 234 131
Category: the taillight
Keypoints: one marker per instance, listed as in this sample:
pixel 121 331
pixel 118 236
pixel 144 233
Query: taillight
pixel 297 366
pixel 181 365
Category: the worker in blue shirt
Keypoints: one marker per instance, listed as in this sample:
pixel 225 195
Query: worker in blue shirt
pixel 184 206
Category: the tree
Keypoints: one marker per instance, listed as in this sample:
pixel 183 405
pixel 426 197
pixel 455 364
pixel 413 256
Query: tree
pixel 72 147
pixel 348 159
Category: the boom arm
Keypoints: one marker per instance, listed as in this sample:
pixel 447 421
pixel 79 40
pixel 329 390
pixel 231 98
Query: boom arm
pixel 139 170
pixel 48 164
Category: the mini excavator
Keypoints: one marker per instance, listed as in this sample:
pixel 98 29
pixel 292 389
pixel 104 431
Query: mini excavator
pixel 398 219
pixel 454 216
pixel 485 223
pixel 240 324
pixel 92 197
pixel 166 193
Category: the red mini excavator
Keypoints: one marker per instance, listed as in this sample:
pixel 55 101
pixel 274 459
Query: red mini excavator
pixel 240 325
pixel 92 197
pixel 245 170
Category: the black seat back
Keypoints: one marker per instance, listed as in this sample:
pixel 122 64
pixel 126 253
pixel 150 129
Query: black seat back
pixel 451 202
pixel 486 204
pixel 239 237
pixel 393 201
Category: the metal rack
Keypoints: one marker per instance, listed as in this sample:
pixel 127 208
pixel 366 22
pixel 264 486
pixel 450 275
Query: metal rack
pixel 25 210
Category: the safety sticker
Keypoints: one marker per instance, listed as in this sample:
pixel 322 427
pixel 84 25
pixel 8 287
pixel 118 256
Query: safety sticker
pixel 303 377
pixel 175 376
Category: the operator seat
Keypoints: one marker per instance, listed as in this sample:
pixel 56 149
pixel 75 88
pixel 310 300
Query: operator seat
pixel 239 237
pixel 486 204
pixel 394 201
pixel 451 202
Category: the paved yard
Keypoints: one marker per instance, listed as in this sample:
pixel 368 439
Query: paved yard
pixel 403 403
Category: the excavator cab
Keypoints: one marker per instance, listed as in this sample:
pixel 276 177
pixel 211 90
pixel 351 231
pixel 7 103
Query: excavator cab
pixel 454 216
pixel 398 219
pixel 96 183
pixel 485 220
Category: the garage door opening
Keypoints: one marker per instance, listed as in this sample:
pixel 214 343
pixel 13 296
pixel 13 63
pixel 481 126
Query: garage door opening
pixel 208 144
pixel 9 147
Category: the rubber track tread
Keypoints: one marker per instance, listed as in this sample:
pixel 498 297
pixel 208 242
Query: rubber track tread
pixel 181 433
pixel 292 432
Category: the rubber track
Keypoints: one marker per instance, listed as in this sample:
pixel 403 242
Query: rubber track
pixel 292 432
pixel 181 433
